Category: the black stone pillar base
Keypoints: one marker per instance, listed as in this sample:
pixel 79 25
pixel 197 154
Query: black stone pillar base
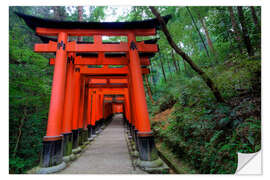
pixel 130 129
pixel 93 133
pixel 126 126
pixel 102 124
pixel 89 127
pixel 146 147
pixel 80 137
pixel 85 135
pixel 136 139
pixel 52 152
pixel 67 144
pixel 133 133
pixel 124 122
pixel 98 125
pixel 75 142
pixel 84 139
pixel 75 138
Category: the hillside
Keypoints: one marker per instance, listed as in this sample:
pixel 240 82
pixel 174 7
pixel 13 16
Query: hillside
pixel 206 134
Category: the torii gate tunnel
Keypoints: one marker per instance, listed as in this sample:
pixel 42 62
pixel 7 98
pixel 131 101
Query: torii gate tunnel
pixel 94 80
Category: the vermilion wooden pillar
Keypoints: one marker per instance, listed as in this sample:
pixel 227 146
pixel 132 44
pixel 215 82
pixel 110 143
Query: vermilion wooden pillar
pixel 102 109
pixel 52 142
pixel 93 112
pixel 138 88
pixel 89 107
pixel 97 104
pixel 81 110
pixel 86 109
pixel 134 119
pixel 75 115
pixel 68 107
pixel 146 145
pixel 133 125
pixel 98 112
pixel 85 112
pixel 89 114
pixel 127 105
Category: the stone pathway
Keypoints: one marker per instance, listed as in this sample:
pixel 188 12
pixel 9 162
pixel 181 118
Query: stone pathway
pixel 107 154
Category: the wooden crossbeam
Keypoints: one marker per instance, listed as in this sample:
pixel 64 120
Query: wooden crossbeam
pixel 107 81
pixel 118 81
pixel 91 32
pixel 103 61
pixel 98 81
pixel 108 71
pixel 107 77
pixel 111 91
pixel 107 86
pixel 113 95
pixel 80 48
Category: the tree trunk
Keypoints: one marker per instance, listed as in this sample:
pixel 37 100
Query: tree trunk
pixel 185 68
pixel 245 31
pixel 80 15
pixel 162 67
pixel 152 70
pixel 255 19
pixel 235 28
pixel 59 13
pixel 151 75
pixel 203 75
pixel 177 62
pixel 196 27
pixel 209 41
pixel 149 92
pixel 20 132
pixel 169 68
pixel 174 62
pixel 56 13
pixel 229 37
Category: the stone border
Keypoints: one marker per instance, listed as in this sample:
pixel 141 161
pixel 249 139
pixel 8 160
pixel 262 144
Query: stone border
pixel 50 170
pixel 153 167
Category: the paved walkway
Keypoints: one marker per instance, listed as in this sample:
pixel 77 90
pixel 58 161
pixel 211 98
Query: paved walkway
pixel 107 154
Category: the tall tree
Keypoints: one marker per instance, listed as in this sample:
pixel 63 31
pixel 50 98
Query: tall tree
pixel 169 68
pixel 255 19
pixel 245 31
pixel 196 68
pixel 97 13
pixel 149 92
pixel 209 41
pixel 174 62
pixel 59 12
pixel 80 18
pixel 197 29
pixel 162 67
pixel 235 28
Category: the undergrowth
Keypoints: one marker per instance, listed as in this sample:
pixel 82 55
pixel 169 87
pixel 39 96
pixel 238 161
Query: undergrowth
pixel 203 132
pixel 29 93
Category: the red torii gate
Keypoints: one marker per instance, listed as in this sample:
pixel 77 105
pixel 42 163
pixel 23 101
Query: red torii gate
pixel 67 105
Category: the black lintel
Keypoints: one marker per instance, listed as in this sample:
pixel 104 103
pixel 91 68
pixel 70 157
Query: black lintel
pixel 33 22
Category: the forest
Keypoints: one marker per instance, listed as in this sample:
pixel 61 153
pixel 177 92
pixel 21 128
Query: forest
pixel 203 91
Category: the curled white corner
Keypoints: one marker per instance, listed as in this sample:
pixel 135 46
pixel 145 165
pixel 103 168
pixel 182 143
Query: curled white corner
pixel 249 163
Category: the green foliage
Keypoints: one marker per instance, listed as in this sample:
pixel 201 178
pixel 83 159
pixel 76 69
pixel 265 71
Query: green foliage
pixel 206 134
pixel 29 93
